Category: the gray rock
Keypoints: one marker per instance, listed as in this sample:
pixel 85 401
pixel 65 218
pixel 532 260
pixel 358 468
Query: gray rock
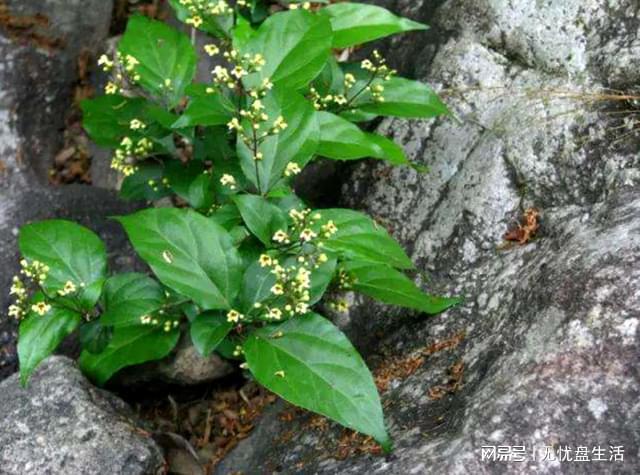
pixel 552 326
pixel 184 367
pixel 61 424
pixel 36 80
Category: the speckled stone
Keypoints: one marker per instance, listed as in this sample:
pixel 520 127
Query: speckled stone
pixel 61 424
pixel 552 345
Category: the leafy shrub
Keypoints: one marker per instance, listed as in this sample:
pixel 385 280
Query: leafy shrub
pixel 243 262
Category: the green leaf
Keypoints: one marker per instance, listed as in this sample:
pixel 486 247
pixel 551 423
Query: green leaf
pixel 342 140
pixel 261 217
pixel 320 279
pixel 295 44
pixel 313 365
pixel 208 330
pixel 357 23
pixel 39 336
pixel 205 109
pixel 137 187
pixel 107 118
pixel 127 297
pixel 188 253
pixel 360 238
pixel 94 336
pixel 298 143
pixel 393 287
pixel 129 346
pixel 164 53
pixel 72 252
pixel 256 286
pixel 405 98
pixel 190 183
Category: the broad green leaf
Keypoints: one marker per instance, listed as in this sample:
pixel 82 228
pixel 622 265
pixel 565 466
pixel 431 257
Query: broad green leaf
pixel 357 23
pixel 205 109
pixel 94 336
pixel 217 25
pixel 39 336
pixel 227 216
pixel 208 330
pixel 298 143
pixel 189 253
pixel 190 183
pixel 311 363
pixel 127 297
pixel 320 279
pixel 261 217
pixel 405 98
pixel 342 140
pixel 164 54
pixel 107 118
pixel 331 79
pixel 256 286
pixel 360 238
pixel 72 252
pixel 146 183
pixel 391 286
pixel 295 44
pixel 129 346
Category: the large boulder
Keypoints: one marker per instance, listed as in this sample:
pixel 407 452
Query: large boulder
pixel 551 344
pixel 61 424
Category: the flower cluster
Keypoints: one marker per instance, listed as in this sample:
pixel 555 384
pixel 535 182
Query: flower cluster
pixel 167 325
pixel 323 102
pixel 303 5
pixel 290 294
pixel 380 73
pixel 201 9
pixel 241 66
pixel 129 151
pixel 35 272
pixel 228 180
pixel 124 69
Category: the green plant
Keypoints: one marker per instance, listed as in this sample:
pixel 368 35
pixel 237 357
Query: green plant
pixel 243 260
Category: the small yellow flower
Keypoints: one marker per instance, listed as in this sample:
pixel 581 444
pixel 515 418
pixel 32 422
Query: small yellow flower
pixel 111 88
pixel 234 124
pixel 275 314
pixel 69 288
pixel 307 235
pixel 211 50
pixel 233 316
pixel 41 308
pixel 322 258
pixel 265 260
pixel 292 169
pixel 277 289
pixel 281 237
pixel 228 180
pixel 137 124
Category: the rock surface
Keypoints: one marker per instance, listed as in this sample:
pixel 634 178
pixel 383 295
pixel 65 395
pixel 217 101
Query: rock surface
pixel 551 345
pixel 63 424
pixel 183 367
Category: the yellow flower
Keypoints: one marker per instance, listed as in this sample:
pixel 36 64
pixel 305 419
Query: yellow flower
pixel 111 88
pixel 228 180
pixel 277 289
pixel 69 288
pixel 41 308
pixel 275 314
pixel 265 260
pixel 281 237
pixel 137 124
pixel 233 316
pixel 292 169
pixel 211 50
pixel 307 235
